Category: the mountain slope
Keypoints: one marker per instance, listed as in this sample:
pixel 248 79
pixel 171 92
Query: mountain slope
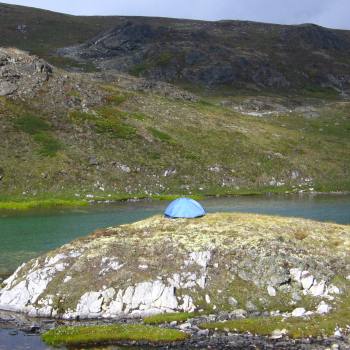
pixel 73 135
pixel 224 55
pixel 42 32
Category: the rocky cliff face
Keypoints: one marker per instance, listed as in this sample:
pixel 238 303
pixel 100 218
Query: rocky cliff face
pixel 222 262
pixel 223 54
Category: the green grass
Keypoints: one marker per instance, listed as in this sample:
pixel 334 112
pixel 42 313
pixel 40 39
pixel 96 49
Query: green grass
pixel 115 99
pixel 108 121
pixel 79 116
pixel 48 31
pixel 320 92
pixel 115 128
pixel 315 326
pixel 160 135
pixel 338 185
pixel 138 116
pixel 296 327
pixel 99 335
pixel 163 59
pixel 169 317
pixel 23 203
pixel 31 124
pixel 41 203
pixel 138 69
pixel 151 134
pixel 39 129
pixel 49 145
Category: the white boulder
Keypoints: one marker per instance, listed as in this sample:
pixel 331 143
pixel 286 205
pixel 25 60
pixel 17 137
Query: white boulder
pixel 323 308
pixel 307 280
pixel 298 312
pixel 318 289
pixel 271 291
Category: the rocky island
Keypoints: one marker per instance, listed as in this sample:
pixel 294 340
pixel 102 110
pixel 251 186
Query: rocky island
pixel 103 109
pixel 234 267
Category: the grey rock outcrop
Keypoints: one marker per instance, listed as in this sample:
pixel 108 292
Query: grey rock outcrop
pixel 21 74
pixel 160 265
pixel 222 54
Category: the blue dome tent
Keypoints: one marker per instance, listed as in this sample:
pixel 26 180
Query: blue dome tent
pixel 184 208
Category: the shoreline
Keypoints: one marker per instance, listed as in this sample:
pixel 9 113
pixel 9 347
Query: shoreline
pixel 243 308
pixel 33 328
pixel 23 204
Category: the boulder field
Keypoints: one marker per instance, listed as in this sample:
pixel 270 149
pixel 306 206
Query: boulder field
pixel 223 262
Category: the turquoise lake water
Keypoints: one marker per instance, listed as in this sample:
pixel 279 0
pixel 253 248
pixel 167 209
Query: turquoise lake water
pixel 26 235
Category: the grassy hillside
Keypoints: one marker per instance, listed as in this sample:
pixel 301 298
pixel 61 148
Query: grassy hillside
pixel 112 136
pixel 132 144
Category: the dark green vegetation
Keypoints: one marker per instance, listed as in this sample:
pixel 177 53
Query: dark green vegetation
pixel 169 317
pixel 39 129
pixel 92 335
pixel 159 135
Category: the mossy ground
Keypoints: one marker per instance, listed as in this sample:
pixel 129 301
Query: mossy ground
pixel 169 317
pixel 312 326
pixel 247 292
pixel 99 335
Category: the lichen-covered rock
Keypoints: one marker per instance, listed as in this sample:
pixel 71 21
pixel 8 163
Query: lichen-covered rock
pixel 221 262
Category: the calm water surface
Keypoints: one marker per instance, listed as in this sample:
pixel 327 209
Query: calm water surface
pixel 26 235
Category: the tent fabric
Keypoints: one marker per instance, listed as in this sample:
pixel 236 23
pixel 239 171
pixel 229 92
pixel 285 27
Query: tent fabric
pixel 184 208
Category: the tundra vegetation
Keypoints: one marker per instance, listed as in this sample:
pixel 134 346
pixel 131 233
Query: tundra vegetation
pixel 197 127
pixel 76 139
pixel 170 120
pixel 100 335
pixel 264 273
